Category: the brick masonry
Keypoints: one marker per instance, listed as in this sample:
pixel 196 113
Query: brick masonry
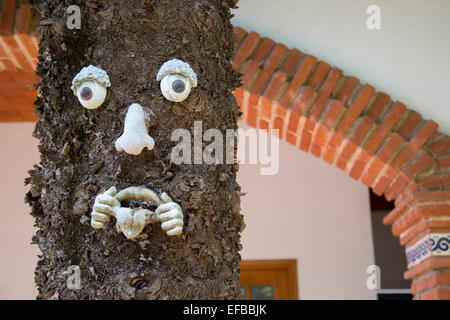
pixel 18 59
pixel 319 109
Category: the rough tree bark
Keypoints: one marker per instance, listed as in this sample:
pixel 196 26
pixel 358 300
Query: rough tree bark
pixel 130 40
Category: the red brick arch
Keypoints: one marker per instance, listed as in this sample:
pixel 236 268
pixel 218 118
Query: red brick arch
pixel 378 141
pixel 319 109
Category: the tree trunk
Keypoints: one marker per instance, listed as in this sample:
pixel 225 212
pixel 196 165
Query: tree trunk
pixel 130 40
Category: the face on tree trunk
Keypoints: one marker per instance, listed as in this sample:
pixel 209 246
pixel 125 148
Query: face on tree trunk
pixel 82 155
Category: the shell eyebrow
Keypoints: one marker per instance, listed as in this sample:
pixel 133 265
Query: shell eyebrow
pixel 90 73
pixel 179 67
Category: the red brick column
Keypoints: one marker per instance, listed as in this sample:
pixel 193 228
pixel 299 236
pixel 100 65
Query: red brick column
pixel 18 59
pixel 422 221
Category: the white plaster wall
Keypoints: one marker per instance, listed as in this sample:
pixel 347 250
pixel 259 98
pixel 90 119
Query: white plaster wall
pixel 408 58
pixel 18 153
pixel 312 212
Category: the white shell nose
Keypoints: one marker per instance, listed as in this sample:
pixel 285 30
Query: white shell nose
pixel 135 137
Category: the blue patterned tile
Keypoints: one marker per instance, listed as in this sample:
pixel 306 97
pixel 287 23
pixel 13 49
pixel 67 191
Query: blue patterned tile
pixel 419 251
pixel 440 244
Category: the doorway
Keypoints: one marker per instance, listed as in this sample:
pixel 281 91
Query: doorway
pixel 269 280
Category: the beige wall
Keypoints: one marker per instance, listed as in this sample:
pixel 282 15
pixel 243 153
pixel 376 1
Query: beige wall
pixel 407 58
pixel 18 153
pixel 309 211
pixel 312 212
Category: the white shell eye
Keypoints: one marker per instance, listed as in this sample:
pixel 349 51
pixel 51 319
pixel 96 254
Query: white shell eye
pixel 175 87
pixel 91 94
pixel 89 85
pixel 177 78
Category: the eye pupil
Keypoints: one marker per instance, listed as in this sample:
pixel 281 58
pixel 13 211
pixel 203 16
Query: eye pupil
pixel 86 93
pixel 178 86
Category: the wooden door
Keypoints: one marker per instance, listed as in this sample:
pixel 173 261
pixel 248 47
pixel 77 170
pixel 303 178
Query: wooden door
pixel 269 280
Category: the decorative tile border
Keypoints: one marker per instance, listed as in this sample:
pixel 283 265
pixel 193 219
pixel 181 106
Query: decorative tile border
pixel 440 244
pixel 419 251
pixel 436 244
